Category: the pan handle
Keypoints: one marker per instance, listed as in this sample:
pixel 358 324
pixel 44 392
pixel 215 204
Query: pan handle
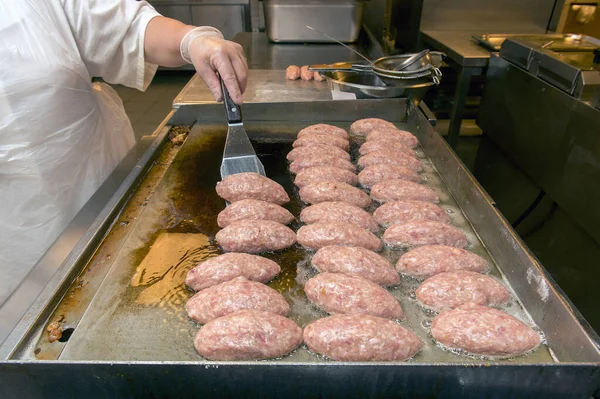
pixel 233 111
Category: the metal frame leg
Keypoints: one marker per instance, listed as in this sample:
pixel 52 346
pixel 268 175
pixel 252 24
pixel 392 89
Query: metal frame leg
pixel 460 97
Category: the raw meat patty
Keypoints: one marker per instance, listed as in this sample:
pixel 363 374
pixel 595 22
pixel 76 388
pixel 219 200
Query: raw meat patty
pixel 400 190
pixel 362 127
pixel 310 161
pixel 319 138
pixel 390 158
pixel 305 74
pixel 254 210
pixel 327 191
pixel 337 211
pixel 231 296
pixel 316 148
pixel 403 211
pixel 248 335
pixel 398 136
pixel 449 290
pixel 318 235
pixel 292 72
pixel 347 294
pixel 483 331
pixel 374 174
pixel 361 338
pixel 430 260
pixel 325 129
pixel 228 266
pixel 255 236
pixel 424 232
pixel 325 173
pixel 378 145
pixel 251 185
pixel 317 76
pixel 356 261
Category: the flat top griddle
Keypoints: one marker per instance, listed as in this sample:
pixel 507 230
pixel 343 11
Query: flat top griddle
pixel 133 321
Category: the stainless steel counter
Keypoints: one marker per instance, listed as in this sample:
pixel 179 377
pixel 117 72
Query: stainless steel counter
pixel 263 86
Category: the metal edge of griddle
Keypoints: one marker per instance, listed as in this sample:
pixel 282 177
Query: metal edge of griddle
pixel 58 281
pixel 539 282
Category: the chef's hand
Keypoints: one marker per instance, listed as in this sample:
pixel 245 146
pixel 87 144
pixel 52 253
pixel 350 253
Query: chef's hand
pixel 211 54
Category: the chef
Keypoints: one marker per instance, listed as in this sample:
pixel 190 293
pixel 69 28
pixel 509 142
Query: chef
pixel 61 135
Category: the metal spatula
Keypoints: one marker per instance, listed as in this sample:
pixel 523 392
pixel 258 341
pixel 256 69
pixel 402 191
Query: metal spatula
pixel 239 155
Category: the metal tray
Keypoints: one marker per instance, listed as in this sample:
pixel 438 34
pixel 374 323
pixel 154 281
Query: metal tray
pixel 555 42
pixel 145 345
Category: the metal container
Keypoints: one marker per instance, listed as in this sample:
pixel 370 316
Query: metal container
pixel 286 20
pixel 369 85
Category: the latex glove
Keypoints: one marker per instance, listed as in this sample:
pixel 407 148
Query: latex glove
pixel 210 53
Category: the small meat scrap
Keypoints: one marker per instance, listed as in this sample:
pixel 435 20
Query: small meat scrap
pixel 251 185
pixel 319 235
pixel 233 295
pixel 356 261
pixel 325 173
pixel 228 266
pixel 292 72
pixel 424 232
pixel 401 190
pixel 361 338
pixel 387 157
pixel 377 173
pixel 255 236
pixel 55 330
pixel 363 127
pixel 482 330
pixel 449 290
pixel 430 260
pixel 343 293
pixel 327 191
pixel 305 73
pixel 323 128
pixel 317 148
pixel 396 212
pixel 389 145
pixel 320 138
pixel 337 211
pixel 254 210
pixel 248 335
pixel 318 77
pixel 399 136
pixel 313 160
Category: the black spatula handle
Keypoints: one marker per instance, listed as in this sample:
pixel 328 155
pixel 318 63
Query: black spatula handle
pixel 233 111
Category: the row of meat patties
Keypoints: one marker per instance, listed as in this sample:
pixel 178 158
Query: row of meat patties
pixel 245 319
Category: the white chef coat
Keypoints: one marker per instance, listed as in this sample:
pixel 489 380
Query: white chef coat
pixel 61 135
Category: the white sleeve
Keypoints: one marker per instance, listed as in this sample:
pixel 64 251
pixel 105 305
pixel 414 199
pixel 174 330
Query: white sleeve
pixel 110 37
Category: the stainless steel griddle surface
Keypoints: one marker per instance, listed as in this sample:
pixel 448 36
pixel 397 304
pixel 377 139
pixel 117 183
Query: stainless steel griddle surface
pixel 139 315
